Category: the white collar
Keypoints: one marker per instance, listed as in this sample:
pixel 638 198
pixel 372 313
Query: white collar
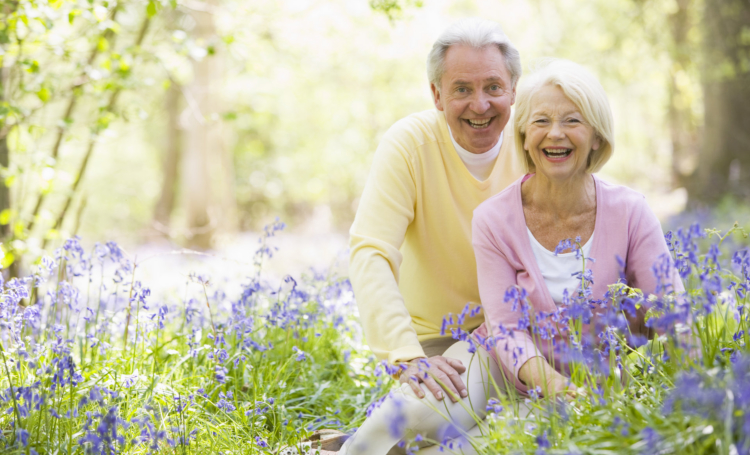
pixel 476 158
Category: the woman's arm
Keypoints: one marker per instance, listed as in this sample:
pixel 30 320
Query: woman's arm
pixel 647 248
pixel 495 275
pixel 537 372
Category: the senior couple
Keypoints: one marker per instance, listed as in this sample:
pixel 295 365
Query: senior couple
pixel 461 204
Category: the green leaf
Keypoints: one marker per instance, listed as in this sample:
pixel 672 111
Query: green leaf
pixel 72 15
pixel 7 260
pixel 5 216
pixel 152 8
pixel 103 44
pixel 43 94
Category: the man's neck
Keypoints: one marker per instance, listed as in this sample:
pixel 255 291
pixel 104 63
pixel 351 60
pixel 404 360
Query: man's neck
pixel 494 149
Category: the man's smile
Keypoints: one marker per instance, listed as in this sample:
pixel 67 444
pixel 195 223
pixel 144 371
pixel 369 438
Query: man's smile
pixel 478 124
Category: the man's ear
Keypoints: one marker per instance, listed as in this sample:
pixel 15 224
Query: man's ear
pixel 436 97
pixel 513 96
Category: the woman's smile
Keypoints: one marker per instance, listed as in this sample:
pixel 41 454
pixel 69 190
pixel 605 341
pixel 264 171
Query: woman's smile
pixel 557 154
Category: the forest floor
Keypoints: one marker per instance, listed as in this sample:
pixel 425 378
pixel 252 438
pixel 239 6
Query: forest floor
pixel 298 252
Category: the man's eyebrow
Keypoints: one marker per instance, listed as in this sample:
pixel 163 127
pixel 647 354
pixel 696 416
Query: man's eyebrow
pixel 489 79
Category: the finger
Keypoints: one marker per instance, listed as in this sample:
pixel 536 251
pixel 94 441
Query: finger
pixel 434 387
pixel 456 364
pixel 447 385
pixel 415 387
pixel 454 381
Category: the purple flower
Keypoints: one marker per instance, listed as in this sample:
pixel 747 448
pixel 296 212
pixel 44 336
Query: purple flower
pixel 301 356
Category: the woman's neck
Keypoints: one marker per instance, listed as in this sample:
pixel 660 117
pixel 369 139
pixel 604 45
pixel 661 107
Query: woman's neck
pixel 561 199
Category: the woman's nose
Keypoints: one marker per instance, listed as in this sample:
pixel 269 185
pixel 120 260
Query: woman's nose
pixel 556 130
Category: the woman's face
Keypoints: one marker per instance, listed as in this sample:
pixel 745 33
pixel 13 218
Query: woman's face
pixel 558 138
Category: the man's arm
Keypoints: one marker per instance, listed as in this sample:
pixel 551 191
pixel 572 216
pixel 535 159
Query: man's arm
pixel 385 211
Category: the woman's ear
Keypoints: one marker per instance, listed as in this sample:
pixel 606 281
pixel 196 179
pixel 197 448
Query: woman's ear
pixel 597 142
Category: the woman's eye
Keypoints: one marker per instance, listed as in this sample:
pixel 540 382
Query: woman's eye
pixel 540 121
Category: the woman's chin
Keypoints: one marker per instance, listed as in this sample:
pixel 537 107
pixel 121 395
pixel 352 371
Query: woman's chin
pixel 558 173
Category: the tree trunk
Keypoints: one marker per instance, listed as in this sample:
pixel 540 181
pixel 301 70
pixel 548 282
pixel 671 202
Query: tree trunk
pixel 171 162
pixel 724 162
pixel 683 126
pixel 5 229
pixel 206 171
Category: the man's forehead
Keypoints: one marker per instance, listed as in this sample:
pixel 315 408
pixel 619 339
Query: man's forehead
pixel 468 81
pixel 473 65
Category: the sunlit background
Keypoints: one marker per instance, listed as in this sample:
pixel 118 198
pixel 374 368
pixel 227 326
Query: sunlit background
pixel 195 123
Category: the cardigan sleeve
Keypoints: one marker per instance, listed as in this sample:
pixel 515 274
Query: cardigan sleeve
pixel 385 211
pixel 649 264
pixel 495 276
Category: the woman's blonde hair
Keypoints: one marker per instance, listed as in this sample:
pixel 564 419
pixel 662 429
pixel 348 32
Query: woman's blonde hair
pixel 584 90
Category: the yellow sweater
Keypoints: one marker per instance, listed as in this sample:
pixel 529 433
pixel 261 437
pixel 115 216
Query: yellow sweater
pixel 411 256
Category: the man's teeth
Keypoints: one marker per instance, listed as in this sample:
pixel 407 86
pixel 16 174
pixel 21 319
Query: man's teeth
pixel 479 123
pixel 557 153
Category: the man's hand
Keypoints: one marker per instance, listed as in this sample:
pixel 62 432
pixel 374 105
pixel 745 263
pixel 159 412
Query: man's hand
pixel 538 372
pixel 445 369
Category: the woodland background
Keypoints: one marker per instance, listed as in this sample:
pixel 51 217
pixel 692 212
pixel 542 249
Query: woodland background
pixel 193 123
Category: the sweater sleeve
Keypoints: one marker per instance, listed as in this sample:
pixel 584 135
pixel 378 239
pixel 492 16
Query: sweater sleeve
pixel 385 211
pixel 495 275
pixel 649 263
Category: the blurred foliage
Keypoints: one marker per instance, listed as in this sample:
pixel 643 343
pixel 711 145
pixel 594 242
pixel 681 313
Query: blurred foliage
pixel 307 88
pixel 65 66
pixel 394 9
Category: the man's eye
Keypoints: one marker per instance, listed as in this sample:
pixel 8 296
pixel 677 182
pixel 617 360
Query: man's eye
pixel 494 87
pixel 462 90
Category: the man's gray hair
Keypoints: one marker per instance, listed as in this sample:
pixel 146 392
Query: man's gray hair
pixel 476 33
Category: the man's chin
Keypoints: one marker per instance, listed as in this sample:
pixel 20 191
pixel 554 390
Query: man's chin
pixel 481 142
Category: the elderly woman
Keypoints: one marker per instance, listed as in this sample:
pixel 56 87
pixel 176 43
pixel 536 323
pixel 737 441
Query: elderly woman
pixel 564 133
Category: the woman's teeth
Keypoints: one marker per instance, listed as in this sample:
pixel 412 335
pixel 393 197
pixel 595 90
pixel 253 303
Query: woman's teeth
pixel 479 123
pixel 557 153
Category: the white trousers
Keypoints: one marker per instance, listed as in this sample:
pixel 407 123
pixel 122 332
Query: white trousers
pixel 402 415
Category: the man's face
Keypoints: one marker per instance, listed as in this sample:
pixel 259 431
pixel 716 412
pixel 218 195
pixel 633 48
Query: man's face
pixel 476 94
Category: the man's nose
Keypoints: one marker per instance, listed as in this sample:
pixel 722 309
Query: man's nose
pixel 480 103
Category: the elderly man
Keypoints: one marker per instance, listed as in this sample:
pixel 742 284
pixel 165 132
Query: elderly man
pixel 412 261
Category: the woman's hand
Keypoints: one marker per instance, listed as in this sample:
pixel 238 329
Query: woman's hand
pixel 445 369
pixel 537 372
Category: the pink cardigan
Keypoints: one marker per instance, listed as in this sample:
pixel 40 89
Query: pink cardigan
pixel 624 227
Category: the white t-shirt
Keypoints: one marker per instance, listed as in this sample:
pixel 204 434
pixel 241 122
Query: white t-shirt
pixel 479 164
pixel 557 270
